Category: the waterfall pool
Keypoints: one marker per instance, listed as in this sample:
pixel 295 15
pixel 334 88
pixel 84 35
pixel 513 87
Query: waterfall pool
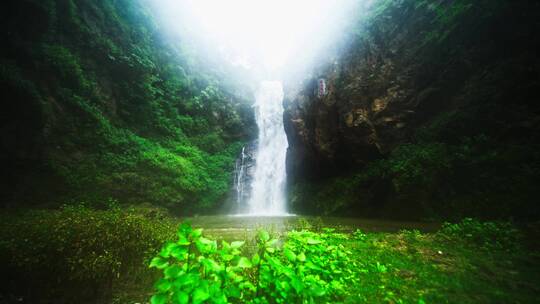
pixel 232 227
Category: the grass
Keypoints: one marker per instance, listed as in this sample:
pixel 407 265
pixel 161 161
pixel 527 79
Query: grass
pixel 425 268
pixel 468 262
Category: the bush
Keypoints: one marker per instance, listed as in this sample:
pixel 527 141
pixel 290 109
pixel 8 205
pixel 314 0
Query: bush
pixel 306 267
pixel 488 235
pixel 47 253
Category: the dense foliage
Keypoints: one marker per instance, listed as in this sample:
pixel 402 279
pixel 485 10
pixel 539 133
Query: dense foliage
pixel 100 104
pixel 82 255
pixel 328 267
pixel 78 253
pixel 308 267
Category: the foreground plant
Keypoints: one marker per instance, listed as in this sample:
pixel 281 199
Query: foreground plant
pixel 305 269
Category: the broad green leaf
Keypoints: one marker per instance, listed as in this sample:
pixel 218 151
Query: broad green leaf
pixel 172 271
pixel 184 230
pixel 205 241
pixel 244 263
pixel 301 257
pixel 185 279
pixel 183 241
pixel 200 295
pixel 159 299
pixel 219 298
pixel 297 285
pixel 317 290
pixel 166 250
pixel 180 297
pixel 255 259
pixel 227 257
pixel 263 235
pixel 312 241
pixel 272 243
pixel 211 265
pixel 237 244
pixel 225 246
pixel 159 263
pixel 163 285
pixel 196 233
pixel 179 252
pixel 233 291
pixel 291 256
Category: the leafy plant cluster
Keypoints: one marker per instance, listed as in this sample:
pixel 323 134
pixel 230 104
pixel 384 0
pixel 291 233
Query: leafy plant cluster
pixel 488 235
pixel 471 176
pixel 305 267
pixel 77 251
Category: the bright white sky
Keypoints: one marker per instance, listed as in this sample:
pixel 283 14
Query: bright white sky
pixel 251 32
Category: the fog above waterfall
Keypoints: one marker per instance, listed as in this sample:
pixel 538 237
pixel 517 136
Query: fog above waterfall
pixel 264 44
pixel 261 39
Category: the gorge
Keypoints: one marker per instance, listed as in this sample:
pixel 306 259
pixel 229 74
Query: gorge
pixel 354 151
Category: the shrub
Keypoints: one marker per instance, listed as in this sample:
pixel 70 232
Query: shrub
pixel 489 235
pixel 50 252
pixel 306 267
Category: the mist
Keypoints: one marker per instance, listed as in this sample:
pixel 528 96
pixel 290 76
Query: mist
pixel 260 40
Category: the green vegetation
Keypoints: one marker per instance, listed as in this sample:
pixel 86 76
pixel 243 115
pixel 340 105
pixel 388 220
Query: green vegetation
pixel 306 269
pixel 103 256
pixel 471 148
pixel 79 254
pixel 453 265
pixel 118 111
pixel 473 177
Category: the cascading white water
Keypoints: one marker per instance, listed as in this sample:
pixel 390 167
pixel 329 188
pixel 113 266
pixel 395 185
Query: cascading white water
pixel 268 186
pixel 240 176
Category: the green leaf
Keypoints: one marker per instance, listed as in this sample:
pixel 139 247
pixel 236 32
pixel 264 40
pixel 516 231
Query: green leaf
pixel 291 256
pixel 205 241
pixel 159 299
pixel 166 250
pixel 244 263
pixel 184 279
pixel 172 271
pixel 196 233
pixel 200 295
pixel 179 252
pixel 237 244
pixel 255 259
pixel 263 235
pixel 180 297
pixel 163 285
pixel 211 265
pixel 312 241
pixel 272 243
pixel 159 263
pixel 297 285
pixel 301 257
pixel 184 230
pixel 225 246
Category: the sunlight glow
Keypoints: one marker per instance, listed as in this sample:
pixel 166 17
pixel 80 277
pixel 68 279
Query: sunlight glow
pixel 263 34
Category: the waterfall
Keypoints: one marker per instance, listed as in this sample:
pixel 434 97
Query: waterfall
pixel 267 195
pixel 240 176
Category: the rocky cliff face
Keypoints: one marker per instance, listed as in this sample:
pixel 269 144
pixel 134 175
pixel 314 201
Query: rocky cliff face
pixel 415 72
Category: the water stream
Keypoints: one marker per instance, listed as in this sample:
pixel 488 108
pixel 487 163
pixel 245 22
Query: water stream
pixel 267 196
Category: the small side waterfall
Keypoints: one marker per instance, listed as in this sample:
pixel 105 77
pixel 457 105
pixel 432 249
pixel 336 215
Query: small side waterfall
pixel 267 195
pixel 240 176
